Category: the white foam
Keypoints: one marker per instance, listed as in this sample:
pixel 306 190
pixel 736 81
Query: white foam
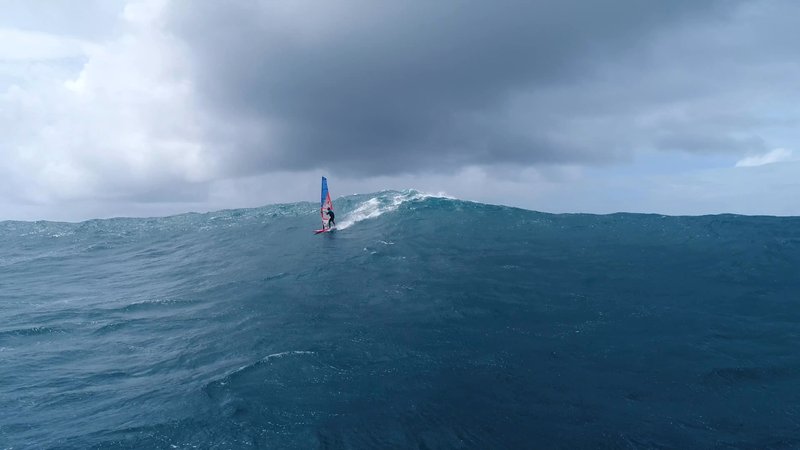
pixel 282 354
pixel 377 206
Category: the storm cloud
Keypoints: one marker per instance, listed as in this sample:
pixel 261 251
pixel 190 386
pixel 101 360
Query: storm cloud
pixel 379 88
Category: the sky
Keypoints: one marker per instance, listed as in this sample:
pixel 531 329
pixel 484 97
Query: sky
pixel 154 107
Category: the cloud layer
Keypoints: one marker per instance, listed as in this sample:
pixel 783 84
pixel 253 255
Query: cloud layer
pixel 366 88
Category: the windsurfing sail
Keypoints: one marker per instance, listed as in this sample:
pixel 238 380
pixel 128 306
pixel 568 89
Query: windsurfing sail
pixel 324 205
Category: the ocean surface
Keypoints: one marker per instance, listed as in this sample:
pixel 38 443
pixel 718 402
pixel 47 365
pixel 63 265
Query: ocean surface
pixel 422 323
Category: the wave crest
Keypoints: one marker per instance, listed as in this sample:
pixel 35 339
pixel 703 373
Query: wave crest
pixel 384 203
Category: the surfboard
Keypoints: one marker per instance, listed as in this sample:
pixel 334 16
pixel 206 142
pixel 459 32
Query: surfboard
pixel 325 204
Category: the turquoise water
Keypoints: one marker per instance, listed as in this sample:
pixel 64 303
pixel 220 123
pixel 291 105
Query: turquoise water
pixel 423 322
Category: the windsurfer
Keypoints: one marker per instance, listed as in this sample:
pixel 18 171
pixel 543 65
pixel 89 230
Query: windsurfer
pixel 331 222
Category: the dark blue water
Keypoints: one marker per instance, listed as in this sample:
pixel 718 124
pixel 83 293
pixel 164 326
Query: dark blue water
pixel 423 323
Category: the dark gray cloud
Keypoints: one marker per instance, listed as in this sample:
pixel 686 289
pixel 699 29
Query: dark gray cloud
pixel 390 87
pixel 709 143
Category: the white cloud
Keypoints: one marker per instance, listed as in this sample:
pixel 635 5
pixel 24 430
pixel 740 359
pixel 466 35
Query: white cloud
pixel 20 45
pixel 771 157
pixel 124 126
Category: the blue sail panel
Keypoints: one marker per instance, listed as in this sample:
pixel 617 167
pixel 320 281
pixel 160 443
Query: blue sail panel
pixel 324 192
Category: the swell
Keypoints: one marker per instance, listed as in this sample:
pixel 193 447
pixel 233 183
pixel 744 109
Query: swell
pixel 32 331
pixel 155 304
pixel 231 376
pixel 739 375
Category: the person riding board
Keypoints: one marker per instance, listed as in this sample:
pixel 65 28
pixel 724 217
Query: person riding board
pixel 331 222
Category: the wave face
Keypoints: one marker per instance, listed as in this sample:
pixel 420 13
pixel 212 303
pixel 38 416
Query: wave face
pixel 423 322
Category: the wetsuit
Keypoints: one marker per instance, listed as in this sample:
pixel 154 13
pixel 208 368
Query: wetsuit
pixel 331 222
